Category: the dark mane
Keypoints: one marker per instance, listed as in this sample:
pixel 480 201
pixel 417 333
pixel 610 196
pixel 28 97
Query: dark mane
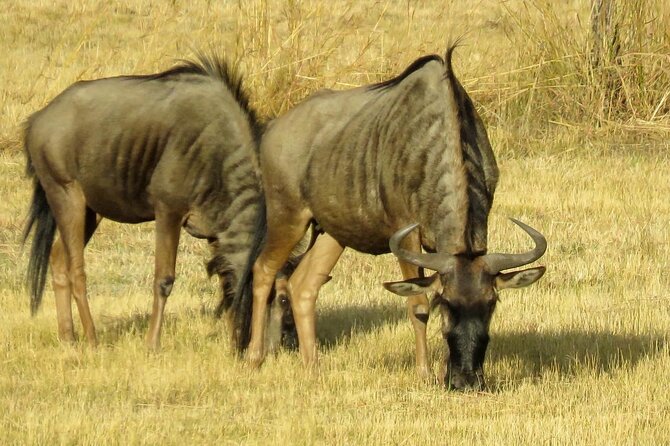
pixel 414 66
pixel 480 196
pixel 184 67
pixel 217 68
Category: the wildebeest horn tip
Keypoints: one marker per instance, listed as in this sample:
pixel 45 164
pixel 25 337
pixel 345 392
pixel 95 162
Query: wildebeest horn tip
pixel 498 262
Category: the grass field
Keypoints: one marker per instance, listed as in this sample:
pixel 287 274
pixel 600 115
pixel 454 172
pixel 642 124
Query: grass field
pixel 581 357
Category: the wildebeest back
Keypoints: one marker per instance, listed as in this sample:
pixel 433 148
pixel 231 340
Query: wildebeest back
pixel 129 139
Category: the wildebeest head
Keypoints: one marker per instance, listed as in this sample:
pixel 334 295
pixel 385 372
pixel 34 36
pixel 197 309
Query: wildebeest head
pixel 466 293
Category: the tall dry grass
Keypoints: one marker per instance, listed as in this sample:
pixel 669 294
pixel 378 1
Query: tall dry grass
pixel 615 79
pixel 581 357
pixel 528 64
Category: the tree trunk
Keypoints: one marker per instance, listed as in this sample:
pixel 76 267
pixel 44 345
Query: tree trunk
pixel 604 57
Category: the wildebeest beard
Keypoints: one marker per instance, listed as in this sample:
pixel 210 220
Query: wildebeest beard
pixel 220 266
pixel 466 338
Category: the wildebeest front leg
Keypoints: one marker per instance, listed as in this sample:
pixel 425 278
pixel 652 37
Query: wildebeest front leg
pixel 304 284
pixel 280 241
pixel 418 310
pixel 168 226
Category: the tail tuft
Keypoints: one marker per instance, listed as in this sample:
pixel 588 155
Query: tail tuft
pixel 41 219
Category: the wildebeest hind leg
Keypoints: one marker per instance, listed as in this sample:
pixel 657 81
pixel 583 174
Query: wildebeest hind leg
pixel 61 285
pixel 168 226
pixel 68 205
pixel 304 284
pixel 61 281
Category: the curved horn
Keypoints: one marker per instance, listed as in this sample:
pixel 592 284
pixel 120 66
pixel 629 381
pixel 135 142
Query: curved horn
pixel 498 262
pixel 436 262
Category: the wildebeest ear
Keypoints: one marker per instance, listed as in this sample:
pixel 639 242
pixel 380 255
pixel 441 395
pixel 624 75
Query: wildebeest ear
pixel 518 279
pixel 411 287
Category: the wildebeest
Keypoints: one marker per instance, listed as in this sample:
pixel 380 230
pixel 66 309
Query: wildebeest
pixel 366 163
pixel 179 147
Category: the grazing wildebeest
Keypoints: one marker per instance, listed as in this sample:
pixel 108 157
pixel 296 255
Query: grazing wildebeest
pixel 179 147
pixel 367 162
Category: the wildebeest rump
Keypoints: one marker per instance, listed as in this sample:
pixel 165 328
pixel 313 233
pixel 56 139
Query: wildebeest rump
pixel 367 162
pixel 179 147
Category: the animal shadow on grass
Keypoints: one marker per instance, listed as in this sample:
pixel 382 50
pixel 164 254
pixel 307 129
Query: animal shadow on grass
pixel 569 353
pixel 337 325
pixel 532 355
pixel 113 328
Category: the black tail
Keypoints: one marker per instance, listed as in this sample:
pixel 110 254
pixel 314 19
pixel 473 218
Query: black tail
pixel 40 217
pixel 242 301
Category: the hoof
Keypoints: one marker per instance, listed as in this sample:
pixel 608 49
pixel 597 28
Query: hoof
pixel 93 342
pixel 426 375
pixel 67 337
pixel 153 345
pixel 254 358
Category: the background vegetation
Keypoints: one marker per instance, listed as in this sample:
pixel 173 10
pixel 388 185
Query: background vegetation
pixel 579 116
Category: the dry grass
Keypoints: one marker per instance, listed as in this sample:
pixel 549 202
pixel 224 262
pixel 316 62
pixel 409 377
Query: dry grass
pixel 581 357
